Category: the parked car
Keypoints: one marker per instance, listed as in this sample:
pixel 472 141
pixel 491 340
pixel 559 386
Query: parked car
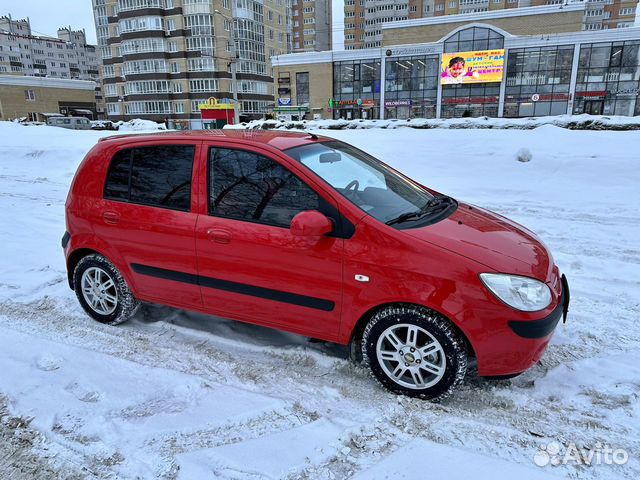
pixel 103 125
pixel 73 123
pixel 311 235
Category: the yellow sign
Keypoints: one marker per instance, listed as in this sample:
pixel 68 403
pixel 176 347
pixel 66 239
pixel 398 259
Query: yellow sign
pixel 472 67
pixel 213 104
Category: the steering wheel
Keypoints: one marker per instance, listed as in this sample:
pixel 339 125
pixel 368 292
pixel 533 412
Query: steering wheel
pixel 353 185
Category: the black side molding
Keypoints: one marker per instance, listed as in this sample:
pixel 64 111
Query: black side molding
pixel 235 287
pixel 543 327
pixel 65 239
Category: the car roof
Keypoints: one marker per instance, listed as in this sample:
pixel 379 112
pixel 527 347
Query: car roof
pixel 277 139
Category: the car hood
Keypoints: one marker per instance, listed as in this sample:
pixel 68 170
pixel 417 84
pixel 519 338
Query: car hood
pixel 489 239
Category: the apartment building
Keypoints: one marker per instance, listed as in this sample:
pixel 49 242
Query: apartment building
pixel 163 58
pixel 67 57
pixel 311 25
pixel 364 18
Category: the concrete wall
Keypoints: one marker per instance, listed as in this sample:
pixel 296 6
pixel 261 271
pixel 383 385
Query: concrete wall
pixel 320 85
pixel 13 102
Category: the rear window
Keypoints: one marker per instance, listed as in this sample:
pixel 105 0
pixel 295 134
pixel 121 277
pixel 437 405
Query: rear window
pixel 155 176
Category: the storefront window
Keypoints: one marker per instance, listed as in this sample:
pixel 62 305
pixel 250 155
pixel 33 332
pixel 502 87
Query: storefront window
pixel 477 99
pixel 356 89
pixel 302 88
pixel 538 81
pixel 608 80
pixel 411 87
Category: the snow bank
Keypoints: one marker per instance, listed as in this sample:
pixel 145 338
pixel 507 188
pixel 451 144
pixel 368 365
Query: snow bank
pixel 572 122
pixel 137 125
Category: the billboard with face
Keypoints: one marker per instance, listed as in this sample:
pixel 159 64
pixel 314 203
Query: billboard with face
pixel 472 67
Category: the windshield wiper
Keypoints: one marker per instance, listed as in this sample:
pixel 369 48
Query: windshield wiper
pixel 437 202
pixel 431 205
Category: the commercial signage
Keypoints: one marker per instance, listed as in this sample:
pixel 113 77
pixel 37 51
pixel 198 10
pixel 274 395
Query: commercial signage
pixel 472 67
pixel 334 103
pixel 397 103
pixel 284 101
pixel 419 50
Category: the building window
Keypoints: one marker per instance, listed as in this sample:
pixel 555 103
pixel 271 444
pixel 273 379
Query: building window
pixel 608 79
pixel 30 95
pixel 538 81
pixel 302 88
pixel 411 87
pixel 475 38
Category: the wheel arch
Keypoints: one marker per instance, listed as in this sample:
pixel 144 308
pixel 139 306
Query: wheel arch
pixel 74 258
pixel 358 329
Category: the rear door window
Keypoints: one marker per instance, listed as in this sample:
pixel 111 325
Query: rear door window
pixel 158 176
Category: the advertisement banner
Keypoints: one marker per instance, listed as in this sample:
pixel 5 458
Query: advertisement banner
pixel 472 67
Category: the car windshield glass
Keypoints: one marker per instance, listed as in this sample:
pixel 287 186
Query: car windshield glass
pixel 363 180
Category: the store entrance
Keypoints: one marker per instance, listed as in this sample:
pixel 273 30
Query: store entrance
pixel 594 107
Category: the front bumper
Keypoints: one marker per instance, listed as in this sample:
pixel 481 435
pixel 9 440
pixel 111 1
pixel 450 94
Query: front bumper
pixel 505 346
pixel 543 327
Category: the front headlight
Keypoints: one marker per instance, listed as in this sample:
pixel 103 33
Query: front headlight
pixel 521 293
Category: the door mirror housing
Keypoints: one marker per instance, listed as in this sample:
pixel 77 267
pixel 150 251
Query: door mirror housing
pixel 310 223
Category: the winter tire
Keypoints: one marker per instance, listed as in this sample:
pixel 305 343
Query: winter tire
pixel 102 291
pixel 414 351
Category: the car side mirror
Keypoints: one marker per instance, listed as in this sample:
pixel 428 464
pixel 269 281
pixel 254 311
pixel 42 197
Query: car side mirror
pixel 310 223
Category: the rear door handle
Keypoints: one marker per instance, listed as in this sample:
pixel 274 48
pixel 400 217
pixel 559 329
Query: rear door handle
pixel 111 218
pixel 219 236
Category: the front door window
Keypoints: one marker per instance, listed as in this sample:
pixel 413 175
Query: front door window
pixel 248 186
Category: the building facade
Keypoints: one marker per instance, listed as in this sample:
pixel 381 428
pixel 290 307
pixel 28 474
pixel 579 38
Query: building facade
pixel 66 57
pixel 364 18
pixel 36 98
pixel 311 25
pixel 565 72
pixel 162 58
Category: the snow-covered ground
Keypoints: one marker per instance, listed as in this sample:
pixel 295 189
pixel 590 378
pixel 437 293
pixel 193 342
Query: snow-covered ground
pixel 573 122
pixel 173 394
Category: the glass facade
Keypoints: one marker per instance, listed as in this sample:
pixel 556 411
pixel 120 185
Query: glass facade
pixel 474 100
pixel 356 89
pixel 542 76
pixel 538 81
pixel 608 80
pixel 411 87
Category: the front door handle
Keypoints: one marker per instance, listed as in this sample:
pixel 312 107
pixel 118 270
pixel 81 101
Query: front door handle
pixel 218 235
pixel 111 218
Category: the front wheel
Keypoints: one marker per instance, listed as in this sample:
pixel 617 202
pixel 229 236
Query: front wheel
pixel 102 292
pixel 414 351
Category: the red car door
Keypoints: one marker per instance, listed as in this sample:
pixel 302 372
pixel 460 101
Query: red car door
pixel 250 266
pixel 146 217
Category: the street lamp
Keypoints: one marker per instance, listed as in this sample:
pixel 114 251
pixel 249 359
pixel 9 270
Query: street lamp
pixel 234 59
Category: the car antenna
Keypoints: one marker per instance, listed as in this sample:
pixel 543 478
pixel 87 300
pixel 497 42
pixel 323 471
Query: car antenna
pixel 312 135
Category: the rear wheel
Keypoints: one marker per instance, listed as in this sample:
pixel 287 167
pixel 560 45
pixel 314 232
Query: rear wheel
pixel 414 351
pixel 102 291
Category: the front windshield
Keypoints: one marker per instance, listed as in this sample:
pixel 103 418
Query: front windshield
pixel 362 179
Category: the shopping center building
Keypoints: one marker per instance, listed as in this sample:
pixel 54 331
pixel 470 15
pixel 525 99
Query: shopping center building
pixel 511 63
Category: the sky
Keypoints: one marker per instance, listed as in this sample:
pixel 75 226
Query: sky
pixel 47 16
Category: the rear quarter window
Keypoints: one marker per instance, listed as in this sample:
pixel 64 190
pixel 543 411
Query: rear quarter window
pixel 158 176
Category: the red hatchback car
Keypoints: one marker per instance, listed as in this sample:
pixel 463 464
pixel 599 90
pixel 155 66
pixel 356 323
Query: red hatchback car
pixel 311 235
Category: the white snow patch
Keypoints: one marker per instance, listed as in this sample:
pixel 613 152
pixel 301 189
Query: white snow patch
pixel 172 391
